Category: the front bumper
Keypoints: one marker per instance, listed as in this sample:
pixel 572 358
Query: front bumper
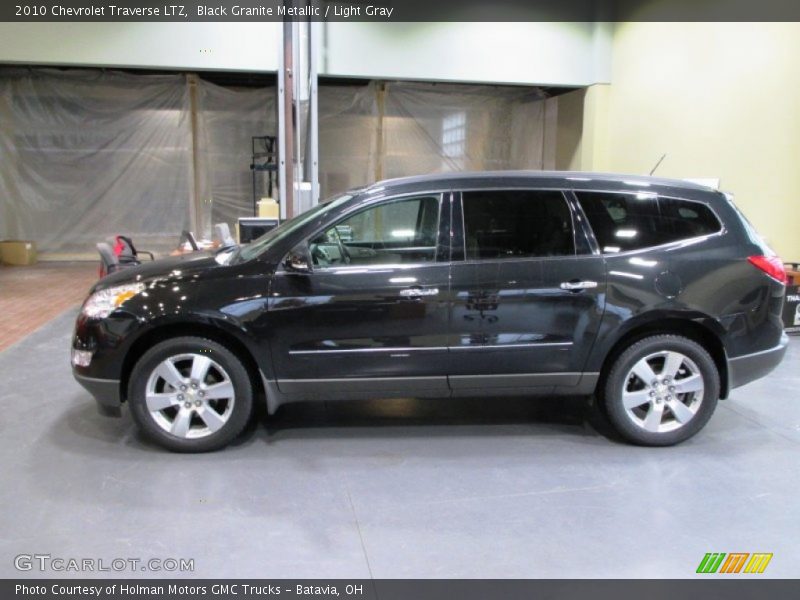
pixel 98 350
pixel 747 368
pixel 105 391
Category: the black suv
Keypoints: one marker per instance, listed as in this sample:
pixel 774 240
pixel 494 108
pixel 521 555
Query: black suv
pixel 654 295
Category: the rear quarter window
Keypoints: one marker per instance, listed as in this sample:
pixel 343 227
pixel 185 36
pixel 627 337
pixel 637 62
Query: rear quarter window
pixel 623 222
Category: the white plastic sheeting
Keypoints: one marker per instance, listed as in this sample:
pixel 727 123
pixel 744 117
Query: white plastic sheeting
pixel 348 137
pixel 373 131
pixel 227 120
pixel 86 154
pixel 433 128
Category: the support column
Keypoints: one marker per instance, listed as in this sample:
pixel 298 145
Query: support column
pixel 312 153
pixel 286 120
pixel 298 117
pixel 196 220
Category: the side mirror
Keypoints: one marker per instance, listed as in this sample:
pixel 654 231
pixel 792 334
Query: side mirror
pixel 297 261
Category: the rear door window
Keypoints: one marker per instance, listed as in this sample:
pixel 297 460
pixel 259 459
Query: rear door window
pixel 508 224
pixel 624 222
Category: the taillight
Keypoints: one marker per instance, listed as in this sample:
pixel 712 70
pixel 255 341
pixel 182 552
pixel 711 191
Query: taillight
pixel 771 265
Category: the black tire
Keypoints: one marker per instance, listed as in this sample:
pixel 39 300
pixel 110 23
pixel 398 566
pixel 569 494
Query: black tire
pixel 620 380
pixel 225 368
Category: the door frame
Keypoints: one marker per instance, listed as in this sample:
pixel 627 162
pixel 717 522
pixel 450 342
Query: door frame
pixel 290 389
pixel 585 246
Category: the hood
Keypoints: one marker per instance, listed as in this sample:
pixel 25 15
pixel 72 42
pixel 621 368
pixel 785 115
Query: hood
pixel 173 266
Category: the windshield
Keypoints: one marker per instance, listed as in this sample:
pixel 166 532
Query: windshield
pixel 257 246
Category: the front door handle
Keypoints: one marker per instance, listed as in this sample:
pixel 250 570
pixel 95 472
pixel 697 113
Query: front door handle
pixel 575 285
pixel 418 292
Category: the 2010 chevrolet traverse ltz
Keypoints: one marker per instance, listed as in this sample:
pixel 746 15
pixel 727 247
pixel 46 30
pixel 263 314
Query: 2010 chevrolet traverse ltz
pixel 657 296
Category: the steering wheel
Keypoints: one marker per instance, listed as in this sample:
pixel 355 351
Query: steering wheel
pixel 346 258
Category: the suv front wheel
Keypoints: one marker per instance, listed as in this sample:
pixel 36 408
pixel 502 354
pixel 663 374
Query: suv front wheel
pixel 661 391
pixel 190 394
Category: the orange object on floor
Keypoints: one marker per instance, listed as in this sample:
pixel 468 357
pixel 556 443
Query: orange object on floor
pixel 793 273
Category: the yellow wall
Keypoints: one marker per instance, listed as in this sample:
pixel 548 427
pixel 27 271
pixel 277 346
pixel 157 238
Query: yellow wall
pixel 720 99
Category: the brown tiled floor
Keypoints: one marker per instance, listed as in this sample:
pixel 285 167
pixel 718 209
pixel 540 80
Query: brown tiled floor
pixel 31 296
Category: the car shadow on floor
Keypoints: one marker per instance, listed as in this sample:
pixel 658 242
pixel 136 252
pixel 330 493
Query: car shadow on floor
pixel 409 417
pixel 83 428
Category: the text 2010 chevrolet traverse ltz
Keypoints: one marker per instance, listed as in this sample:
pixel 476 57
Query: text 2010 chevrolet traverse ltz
pixel 657 296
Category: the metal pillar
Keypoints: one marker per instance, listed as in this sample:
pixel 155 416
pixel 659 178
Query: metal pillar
pixel 196 215
pixel 298 120
pixel 312 154
pixel 286 122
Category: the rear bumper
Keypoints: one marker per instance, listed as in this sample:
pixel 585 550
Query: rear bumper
pixel 105 391
pixel 747 368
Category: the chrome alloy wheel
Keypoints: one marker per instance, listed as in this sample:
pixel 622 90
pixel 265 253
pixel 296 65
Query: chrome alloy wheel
pixel 189 396
pixel 663 391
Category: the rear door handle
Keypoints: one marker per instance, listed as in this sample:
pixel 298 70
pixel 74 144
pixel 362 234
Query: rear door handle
pixel 418 292
pixel 574 285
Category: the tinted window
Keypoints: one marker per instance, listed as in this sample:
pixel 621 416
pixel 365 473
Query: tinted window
pixel 632 221
pixel 682 219
pixel 396 232
pixel 517 224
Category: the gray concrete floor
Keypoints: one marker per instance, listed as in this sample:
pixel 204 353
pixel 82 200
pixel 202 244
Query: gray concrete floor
pixel 491 488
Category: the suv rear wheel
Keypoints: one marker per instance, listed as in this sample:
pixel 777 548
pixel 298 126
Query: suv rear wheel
pixel 190 394
pixel 661 391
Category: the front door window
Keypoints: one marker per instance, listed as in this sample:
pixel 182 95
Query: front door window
pixel 394 233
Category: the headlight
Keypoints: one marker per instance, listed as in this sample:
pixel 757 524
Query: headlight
pixel 102 303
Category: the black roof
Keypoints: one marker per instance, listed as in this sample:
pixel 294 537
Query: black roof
pixel 578 180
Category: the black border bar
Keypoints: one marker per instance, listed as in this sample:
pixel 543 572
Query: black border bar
pixel 712 587
pixel 399 10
